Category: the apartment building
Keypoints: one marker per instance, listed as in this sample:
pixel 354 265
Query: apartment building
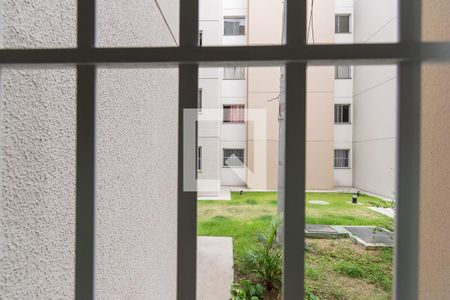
pixel 222 129
pixel 350 131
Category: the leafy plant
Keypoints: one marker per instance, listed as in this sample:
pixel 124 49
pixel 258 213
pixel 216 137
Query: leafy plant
pixel 349 269
pixel 309 295
pixel 265 259
pixel 246 290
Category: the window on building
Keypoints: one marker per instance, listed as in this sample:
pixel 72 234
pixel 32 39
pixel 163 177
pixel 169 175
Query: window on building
pixel 342 24
pixel 342 113
pixel 233 157
pixel 199 158
pixel 200 99
pixel 341 158
pixel 237 73
pixel 200 38
pixel 343 72
pixel 234 25
pixel 233 113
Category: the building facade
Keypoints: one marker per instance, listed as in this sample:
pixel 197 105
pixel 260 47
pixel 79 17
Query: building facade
pixel 351 111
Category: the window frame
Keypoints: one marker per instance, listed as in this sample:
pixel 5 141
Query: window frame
pixel 242 161
pixel 336 105
pixel 243 77
pixel 242 107
pixel 336 72
pixel 409 53
pixel 346 159
pixel 238 18
pixel 336 25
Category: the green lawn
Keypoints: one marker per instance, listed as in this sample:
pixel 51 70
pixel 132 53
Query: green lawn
pixel 251 212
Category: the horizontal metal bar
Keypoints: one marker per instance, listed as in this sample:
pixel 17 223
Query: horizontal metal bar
pixel 251 55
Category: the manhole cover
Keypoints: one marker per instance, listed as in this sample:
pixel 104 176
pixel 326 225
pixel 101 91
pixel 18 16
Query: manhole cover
pixel 370 235
pixel 319 228
pixel 318 202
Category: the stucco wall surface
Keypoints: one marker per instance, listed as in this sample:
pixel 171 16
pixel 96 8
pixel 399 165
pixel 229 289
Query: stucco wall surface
pixel 434 251
pixel 134 23
pixel 37 117
pixel 136 184
pixel 37 183
pixel 38 24
pixel 136 158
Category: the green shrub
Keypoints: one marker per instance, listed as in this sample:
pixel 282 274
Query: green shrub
pixel 349 269
pixel 246 290
pixel 311 273
pixel 265 258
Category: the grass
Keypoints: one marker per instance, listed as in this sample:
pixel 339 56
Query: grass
pixel 338 269
pixel 339 266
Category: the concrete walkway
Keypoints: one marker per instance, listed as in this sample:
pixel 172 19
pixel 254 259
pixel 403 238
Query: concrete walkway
pixel 225 192
pixel 214 267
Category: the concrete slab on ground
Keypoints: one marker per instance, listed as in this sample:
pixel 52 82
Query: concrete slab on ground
pixel 371 237
pixel 385 211
pixel 323 231
pixel 224 194
pixel 214 267
pixel 318 202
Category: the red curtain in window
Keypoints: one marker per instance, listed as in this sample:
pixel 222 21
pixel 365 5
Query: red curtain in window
pixel 235 113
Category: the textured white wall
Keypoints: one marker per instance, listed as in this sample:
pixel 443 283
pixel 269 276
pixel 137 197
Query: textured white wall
pixel 136 157
pixel 136 184
pixel 38 183
pixel 37 117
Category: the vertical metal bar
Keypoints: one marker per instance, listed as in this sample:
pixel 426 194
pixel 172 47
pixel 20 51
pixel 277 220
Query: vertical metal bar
pixel 187 200
pixel 295 13
pixel 410 12
pixel 293 190
pixel 294 181
pixel 408 172
pixel 408 185
pixel 86 24
pixel 85 158
pixel 85 184
pixel 189 23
